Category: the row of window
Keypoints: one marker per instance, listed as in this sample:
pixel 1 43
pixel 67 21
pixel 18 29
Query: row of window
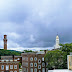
pixel 25 58
pixel 35 70
pixel 7 67
pixel 31 59
pixel 10 71
pixel 35 64
pixel 25 64
pixel 35 59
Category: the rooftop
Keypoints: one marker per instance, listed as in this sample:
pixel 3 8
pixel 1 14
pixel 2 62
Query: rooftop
pixel 60 70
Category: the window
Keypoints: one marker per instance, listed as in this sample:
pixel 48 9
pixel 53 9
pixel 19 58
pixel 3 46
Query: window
pixel 39 71
pixel 15 66
pixel 27 69
pixel 26 64
pixel 24 69
pixel 7 67
pixel 43 69
pixel 39 61
pixel 35 58
pixel 23 58
pixel 42 58
pixel 31 70
pixel 31 64
pixel 11 71
pixel 11 66
pixel 43 64
pixel 35 64
pixel 35 70
pixel 26 58
pixel 46 69
pixel 2 67
pixel 39 66
pixel 31 59
pixel 15 71
pixel 46 64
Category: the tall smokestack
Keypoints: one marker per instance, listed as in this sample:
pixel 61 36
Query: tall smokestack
pixel 5 42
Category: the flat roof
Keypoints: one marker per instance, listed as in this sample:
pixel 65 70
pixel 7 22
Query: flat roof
pixel 60 70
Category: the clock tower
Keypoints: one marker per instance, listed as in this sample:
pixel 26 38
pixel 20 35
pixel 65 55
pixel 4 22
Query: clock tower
pixel 5 42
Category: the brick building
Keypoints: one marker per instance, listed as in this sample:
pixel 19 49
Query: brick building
pixel 9 65
pixel 18 58
pixel 33 62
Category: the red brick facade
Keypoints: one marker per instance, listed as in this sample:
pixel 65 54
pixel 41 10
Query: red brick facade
pixel 9 66
pixel 33 65
pixel 5 42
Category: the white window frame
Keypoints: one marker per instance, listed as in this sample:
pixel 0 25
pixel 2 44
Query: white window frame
pixel 31 69
pixel 39 66
pixel 15 66
pixel 35 59
pixel 7 67
pixel 1 67
pixel 42 58
pixel 34 64
pixel 39 71
pixel 15 71
pixel 31 64
pixel 35 69
pixel 43 69
pixel 39 60
pixel 43 64
pixel 31 59
pixel 11 71
pixel 11 66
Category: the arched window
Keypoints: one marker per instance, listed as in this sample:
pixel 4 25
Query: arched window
pixel 35 58
pixel 35 70
pixel 39 61
pixel 31 59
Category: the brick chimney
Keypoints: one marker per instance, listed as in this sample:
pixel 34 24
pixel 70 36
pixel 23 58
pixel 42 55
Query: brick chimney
pixel 13 58
pixel 5 42
pixel 45 51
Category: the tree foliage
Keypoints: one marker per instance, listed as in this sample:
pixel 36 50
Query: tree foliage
pixel 58 58
pixel 28 51
pixel 9 52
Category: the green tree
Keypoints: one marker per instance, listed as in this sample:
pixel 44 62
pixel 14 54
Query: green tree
pixel 58 58
pixel 20 65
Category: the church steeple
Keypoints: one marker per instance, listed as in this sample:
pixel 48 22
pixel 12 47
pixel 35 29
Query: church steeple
pixel 57 42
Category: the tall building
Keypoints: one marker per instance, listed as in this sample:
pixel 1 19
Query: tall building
pixel 34 62
pixel 57 43
pixel 5 42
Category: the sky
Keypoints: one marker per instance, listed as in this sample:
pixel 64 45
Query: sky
pixel 34 24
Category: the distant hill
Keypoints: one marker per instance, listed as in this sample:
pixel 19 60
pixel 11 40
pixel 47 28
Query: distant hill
pixel 9 52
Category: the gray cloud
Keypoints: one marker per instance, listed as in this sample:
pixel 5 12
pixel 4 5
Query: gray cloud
pixel 35 23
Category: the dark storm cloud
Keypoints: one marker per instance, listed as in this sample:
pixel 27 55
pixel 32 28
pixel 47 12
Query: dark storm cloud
pixel 35 23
